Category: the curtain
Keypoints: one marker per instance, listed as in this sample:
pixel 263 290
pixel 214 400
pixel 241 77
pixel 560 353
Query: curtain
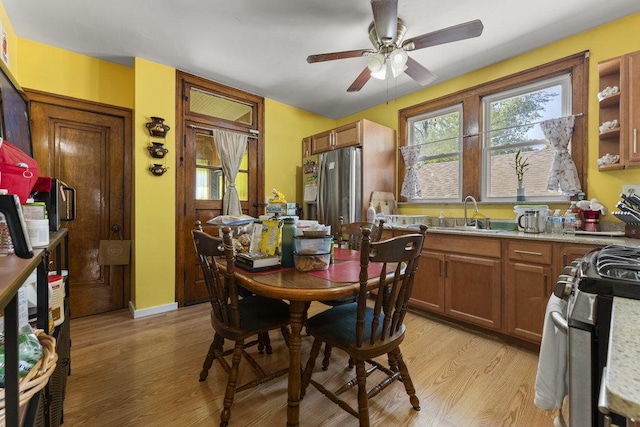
pixel 563 175
pixel 231 147
pixel 411 185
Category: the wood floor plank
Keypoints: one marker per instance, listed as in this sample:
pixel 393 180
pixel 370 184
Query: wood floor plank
pixel 144 372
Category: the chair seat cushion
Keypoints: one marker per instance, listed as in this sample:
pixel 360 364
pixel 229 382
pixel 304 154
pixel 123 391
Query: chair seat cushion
pixel 338 325
pixel 259 313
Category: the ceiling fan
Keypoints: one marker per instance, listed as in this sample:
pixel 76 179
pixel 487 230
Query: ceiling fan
pixel 389 53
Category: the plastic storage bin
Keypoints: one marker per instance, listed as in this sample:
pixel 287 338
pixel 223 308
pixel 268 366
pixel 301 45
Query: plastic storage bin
pixel 312 245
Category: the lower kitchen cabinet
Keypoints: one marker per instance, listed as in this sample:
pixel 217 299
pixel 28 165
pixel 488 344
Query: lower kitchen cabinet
pixel 428 287
pixel 500 284
pixel 460 277
pixel 529 281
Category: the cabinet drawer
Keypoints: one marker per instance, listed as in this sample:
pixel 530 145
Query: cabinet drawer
pixel 539 253
pixel 483 246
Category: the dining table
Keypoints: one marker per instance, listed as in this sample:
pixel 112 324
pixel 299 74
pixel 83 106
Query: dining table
pixel 339 280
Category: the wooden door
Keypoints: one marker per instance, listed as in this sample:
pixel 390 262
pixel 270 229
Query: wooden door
pixel 87 146
pixel 200 181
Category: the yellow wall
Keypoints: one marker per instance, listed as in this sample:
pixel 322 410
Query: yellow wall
pixel 153 196
pixel 603 42
pixel 285 126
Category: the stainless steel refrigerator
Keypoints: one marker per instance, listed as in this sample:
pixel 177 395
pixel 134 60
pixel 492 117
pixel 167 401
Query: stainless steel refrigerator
pixel 340 186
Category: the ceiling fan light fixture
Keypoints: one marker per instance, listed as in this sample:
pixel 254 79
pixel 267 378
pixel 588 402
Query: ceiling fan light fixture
pixel 381 74
pixel 398 58
pixel 376 63
pixel 396 71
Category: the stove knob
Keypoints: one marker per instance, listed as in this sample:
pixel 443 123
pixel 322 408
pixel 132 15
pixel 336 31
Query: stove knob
pixel 570 270
pixel 562 289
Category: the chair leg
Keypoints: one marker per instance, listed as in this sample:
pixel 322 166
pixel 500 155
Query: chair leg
pixel 363 400
pixel 406 379
pixel 231 384
pixel 264 343
pixel 217 343
pixel 308 370
pixel 327 356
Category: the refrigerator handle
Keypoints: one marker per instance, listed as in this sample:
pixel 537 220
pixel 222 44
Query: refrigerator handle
pixel 321 185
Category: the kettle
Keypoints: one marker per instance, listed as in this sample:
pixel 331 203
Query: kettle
pixel 529 221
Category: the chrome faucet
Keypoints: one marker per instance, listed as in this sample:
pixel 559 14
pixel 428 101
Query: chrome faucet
pixel 475 208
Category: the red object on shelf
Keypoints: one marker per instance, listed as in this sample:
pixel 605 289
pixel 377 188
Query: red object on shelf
pixel 591 220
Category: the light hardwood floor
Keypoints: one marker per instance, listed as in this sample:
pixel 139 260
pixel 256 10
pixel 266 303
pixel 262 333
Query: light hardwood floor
pixel 144 372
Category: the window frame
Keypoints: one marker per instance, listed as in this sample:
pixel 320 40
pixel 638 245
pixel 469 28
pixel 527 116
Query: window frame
pixel 576 65
pixel 562 80
pixel 441 112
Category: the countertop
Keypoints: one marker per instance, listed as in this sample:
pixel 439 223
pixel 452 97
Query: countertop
pixel 602 239
pixel 623 367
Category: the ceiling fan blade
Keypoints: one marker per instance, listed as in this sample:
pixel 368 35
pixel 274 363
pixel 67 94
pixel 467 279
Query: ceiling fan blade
pixel 463 31
pixel 337 55
pixel 360 81
pixel 385 18
pixel 419 73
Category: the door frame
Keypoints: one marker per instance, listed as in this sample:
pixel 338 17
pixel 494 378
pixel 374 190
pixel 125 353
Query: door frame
pixel 182 121
pixel 126 115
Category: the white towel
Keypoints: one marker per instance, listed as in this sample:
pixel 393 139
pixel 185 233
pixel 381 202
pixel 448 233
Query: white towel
pixel 551 378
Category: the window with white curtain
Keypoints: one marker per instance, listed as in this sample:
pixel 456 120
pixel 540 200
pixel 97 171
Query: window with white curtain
pixel 511 124
pixel 439 169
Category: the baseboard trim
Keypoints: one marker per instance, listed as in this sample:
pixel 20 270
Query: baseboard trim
pixel 151 310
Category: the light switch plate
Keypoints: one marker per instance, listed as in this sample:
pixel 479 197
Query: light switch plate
pixel 631 189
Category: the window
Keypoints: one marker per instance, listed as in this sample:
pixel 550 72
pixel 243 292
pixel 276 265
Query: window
pixel 494 121
pixel 511 124
pixel 439 169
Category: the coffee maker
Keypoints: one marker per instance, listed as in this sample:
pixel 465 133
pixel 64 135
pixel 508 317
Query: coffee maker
pixel 10 208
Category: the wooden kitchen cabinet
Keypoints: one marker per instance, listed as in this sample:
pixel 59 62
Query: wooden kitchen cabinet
pixel 623 106
pixel 306 147
pixel 464 274
pixel 529 281
pixel 567 253
pixel 428 285
pixel 362 132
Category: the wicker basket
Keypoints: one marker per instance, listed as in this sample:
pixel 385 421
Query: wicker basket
pixel 37 378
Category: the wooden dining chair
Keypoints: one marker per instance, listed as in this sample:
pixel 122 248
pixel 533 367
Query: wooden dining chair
pixel 366 331
pixel 350 236
pixel 234 318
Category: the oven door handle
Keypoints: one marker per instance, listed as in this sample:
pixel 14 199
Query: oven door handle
pixel 559 321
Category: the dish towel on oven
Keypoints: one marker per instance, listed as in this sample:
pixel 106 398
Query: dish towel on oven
pixel 551 379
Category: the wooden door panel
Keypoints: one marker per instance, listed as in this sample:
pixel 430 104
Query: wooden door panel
pixel 86 150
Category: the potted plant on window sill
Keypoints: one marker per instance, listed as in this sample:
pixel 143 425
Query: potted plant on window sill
pixel 521 165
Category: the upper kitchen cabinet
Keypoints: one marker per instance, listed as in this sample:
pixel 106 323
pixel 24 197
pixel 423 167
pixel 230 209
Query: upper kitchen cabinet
pixel 358 133
pixel 306 147
pixel 619 110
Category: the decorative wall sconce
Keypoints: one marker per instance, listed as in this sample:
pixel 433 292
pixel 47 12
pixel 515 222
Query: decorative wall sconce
pixel 157 127
pixel 157 150
pixel 157 169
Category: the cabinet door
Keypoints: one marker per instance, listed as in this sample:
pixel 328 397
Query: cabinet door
pixel 347 135
pixel 473 289
pixel 569 253
pixel 428 284
pixel 527 291
pixel 306 147
pixel 633 82
pixel 321 142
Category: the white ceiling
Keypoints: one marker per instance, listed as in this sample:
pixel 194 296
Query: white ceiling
pixel 261 46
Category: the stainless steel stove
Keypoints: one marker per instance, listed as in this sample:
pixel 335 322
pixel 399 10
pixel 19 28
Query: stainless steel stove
pixel 589 285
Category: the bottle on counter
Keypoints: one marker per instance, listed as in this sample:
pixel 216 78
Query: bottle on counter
pixel 288 232
pixel 371 214
pixel 557 222
pixel 441 220
pixel 576 210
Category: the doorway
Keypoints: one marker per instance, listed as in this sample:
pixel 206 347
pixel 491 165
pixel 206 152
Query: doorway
pixel 204 106
pixel 88 146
